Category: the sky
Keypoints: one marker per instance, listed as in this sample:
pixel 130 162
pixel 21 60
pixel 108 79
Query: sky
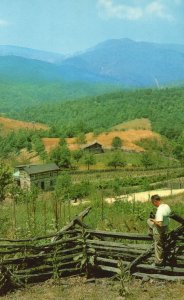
pixel 68 26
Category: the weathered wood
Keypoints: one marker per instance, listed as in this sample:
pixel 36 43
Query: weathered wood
pixel 33 239
pixel 110 261
pixel 140 258
pixel 180 257
pixel 177 218
pixel 41 257
pixel 125 256
pixel 72 223
pixel 71 250
pixel 164 270
pixel 120 235
pixel 44 251
pixel 112 249
pixel 46 268
pixel 31 246
pixel 30 278
pixel 159 276
pixel 109 269
pixel 114 244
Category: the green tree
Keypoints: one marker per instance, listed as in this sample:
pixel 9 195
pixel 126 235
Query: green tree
pixel 179 151
pixel 62 142
pixel 147 160
pixel 116 142
pixel 77 155
pixel 39 147
pixel 89 159
pixel 61 156
pixel 81 138
pixel 116 160
pixel 80 190
pixel 63 185
pixel 5 180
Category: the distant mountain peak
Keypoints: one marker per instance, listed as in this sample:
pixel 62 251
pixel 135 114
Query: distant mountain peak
pixel 114 42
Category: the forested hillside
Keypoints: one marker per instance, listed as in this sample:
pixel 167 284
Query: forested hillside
pixel 17 95
pixel 164 108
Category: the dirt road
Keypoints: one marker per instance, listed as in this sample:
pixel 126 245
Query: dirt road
pixel 145 196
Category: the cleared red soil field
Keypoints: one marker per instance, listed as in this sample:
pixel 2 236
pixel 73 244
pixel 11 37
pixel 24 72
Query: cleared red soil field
pixel 129 139
pixel 11 124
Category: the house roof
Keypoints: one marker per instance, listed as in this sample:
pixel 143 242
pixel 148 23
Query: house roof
pixel 91 144
pixel 35 169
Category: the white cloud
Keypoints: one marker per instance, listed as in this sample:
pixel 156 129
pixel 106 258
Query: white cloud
pixel 3 23
pixel 156 8
pixel 111 9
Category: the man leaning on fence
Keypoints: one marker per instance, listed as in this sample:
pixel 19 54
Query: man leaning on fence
pixel 158 226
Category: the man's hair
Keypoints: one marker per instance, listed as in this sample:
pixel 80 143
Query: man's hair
pixel 155 198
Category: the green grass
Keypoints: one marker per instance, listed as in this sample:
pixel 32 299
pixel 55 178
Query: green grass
pixel 122 216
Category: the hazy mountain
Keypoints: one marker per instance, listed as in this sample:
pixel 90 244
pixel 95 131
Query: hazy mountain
pixel 6 50
pixel 122 61
pixel 17 68
pixel 132 63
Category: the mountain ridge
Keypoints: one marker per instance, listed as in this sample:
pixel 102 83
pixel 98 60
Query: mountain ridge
pixel 123 62
pixel 47 56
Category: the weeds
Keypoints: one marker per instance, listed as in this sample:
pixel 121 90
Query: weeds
pixel 124 279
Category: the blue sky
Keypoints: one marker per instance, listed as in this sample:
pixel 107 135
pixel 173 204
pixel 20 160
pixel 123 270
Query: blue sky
pixel 67 26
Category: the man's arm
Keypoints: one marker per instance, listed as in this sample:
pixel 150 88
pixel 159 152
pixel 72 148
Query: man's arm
pixel 157 223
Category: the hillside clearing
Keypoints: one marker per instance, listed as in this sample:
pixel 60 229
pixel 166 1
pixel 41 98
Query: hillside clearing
pixel 143 123
pixel 129 139
pixel 11 124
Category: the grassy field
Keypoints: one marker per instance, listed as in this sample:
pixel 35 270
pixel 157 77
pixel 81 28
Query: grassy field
pixel 143 123
pixel 78 288
pixel 30 217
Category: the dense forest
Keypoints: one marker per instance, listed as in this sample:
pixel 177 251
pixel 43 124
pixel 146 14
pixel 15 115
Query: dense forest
pixel 16 95
pixel 163 107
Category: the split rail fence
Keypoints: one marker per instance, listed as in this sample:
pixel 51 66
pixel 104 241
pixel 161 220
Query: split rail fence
pixel 77 249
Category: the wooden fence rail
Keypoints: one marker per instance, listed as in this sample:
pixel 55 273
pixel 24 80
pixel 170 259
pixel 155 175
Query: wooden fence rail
pixel 77 249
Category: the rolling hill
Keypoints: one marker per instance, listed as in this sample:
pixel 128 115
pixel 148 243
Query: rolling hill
pixel 164 108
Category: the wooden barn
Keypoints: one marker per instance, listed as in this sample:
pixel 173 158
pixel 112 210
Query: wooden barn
pixel 43 175
pixel 94 147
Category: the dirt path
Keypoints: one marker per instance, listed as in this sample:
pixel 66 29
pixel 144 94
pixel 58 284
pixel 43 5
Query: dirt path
pixel 145 196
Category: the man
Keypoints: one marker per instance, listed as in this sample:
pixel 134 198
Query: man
pixel 159 228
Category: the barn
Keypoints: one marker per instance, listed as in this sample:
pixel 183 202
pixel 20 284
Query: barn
pixel 94 147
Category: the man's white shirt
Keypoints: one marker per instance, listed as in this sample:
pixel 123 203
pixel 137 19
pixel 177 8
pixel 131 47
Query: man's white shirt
pixel 162 214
